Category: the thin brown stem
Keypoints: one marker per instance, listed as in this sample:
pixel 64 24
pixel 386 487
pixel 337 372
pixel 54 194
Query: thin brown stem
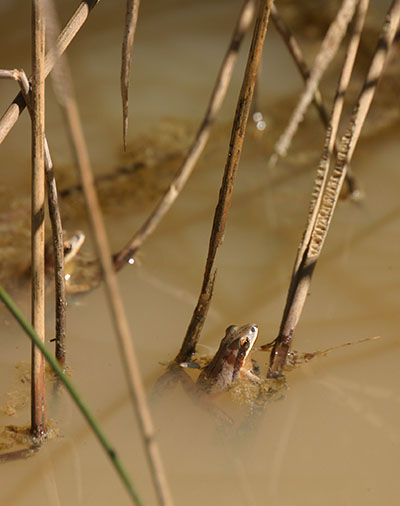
pixel 77 20
pixel 38 387
pixel 225 195
pixel 199 143
pixel 128 354
pixel 131 16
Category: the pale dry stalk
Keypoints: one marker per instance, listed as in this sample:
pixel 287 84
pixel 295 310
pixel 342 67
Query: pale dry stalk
pixel 65 95
pixel 57 232
pixel 38 387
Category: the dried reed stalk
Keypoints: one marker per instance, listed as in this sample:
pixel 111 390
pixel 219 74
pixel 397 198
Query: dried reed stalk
pixel 199 143
pixel 38 387
pixel 56 224
pixel 76 22
pixel 323 202
pixel 57 231
pixel 131 16
pixel 65 95
pixel 58 249
pixel 225 194
pixel 329 47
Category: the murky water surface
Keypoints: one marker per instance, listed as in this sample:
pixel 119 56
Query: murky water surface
pixel 333 436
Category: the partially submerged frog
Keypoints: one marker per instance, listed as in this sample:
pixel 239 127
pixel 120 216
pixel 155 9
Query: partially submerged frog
pixel 231 360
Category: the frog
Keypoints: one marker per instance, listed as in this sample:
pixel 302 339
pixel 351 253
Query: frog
pixel 231 360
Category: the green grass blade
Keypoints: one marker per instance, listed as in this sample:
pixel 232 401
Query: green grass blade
pixel 8 301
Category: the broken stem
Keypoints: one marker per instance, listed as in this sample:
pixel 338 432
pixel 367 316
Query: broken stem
pixel 132 11
pixel 199 143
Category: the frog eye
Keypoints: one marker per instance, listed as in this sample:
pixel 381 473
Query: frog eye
pixel 244 341
pixel 67 247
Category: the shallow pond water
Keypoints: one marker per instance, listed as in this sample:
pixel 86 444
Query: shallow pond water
pixel 332 437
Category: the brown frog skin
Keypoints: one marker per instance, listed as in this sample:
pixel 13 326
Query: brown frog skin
pixel 229 363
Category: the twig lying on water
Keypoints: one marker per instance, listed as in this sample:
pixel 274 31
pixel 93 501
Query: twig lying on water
pixel 120 322
pixel 323 202
pixel 199 143
pixel 225 195
pixel 295 358
pixel 132 10
pixel 329 47
pixel 76 22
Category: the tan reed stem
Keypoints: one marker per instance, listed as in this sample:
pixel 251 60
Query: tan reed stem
pixel 57 232
pixel 38 387
pixel 235 149
pixel 65 95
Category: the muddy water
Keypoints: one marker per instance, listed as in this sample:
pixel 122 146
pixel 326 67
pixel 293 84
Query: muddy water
pixel 332 437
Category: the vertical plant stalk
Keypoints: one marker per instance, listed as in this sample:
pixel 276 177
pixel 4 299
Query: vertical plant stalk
pixel 128 354
pixel 131 16
pixel 199 143
pixel 323 206
pixel 38 387
pixel 329 47
pixel 73 26
pixel 58 249
pixel 65 95
pixel 225 195
pixel 57 232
